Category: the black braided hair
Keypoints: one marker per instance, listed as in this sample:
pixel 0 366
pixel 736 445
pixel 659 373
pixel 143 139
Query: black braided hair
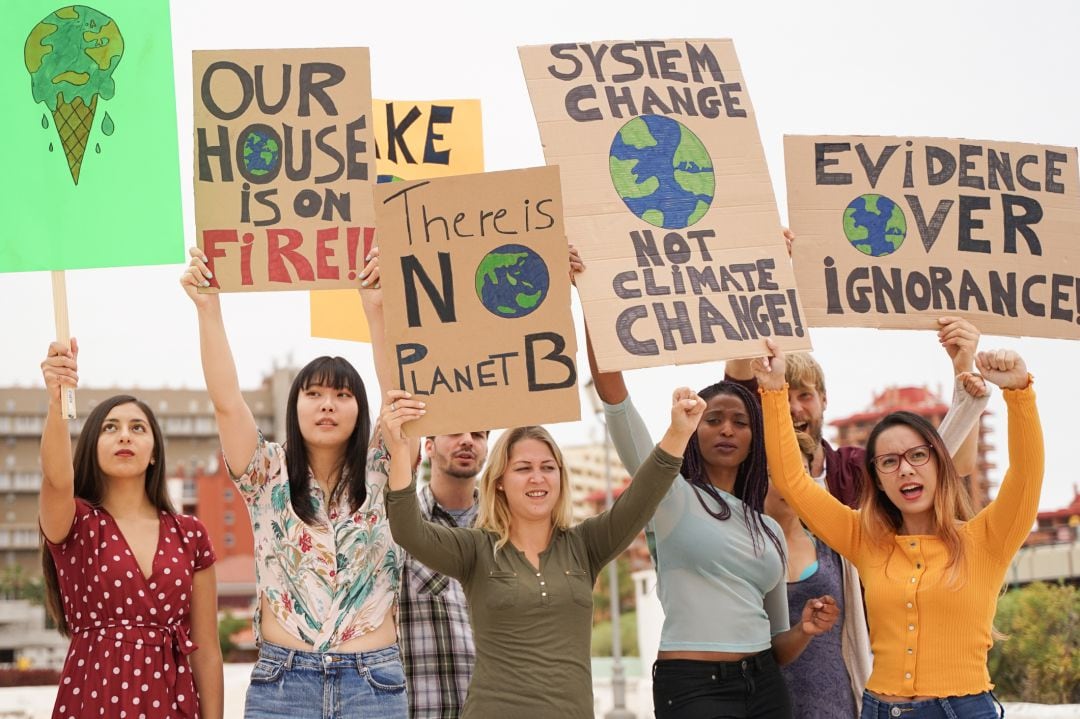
pixel 752 478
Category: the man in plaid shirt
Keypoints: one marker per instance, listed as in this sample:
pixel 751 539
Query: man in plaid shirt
pixel 434 631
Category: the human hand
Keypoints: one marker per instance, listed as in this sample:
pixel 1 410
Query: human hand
pixel 1005 368
pixel 960 339
pixel 769 370
pixel 973 384
pixel 398 409
pixel 197 274
pixel 576 264
pixel 819 615
pixel 370 276
pixel 60 368
pixel 789 240
pixel 686 411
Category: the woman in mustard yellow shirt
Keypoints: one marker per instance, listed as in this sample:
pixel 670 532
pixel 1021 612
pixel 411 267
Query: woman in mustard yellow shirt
pixel 931 571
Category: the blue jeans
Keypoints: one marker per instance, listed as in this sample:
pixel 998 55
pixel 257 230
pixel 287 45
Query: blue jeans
pixel 290 684
pixel 973 706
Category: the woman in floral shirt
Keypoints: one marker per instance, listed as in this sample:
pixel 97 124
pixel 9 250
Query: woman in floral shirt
pixel 327 569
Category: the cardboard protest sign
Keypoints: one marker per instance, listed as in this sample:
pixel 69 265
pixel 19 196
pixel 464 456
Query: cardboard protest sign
pixel 91 165
pixel 474 271
pixel 284 160
pixel 897 231
pixel 668 199
pixel 413 141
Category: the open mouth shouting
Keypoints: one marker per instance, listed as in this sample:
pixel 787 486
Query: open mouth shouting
pixel 911 491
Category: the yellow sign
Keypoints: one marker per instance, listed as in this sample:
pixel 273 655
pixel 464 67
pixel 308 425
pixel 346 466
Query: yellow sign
pixel 413 141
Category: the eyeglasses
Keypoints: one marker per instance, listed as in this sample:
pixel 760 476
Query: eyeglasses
pixel 915 456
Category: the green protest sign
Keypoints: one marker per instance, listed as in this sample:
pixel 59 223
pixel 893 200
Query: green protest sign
pixel 91 157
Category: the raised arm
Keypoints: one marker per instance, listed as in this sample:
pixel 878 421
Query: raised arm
pixel 609 533
pixel 447 550
pixel 236 425
pixel 960 339
pixel 827 517
pixel 609 385
pixel 1006 522
pixel 56 502
pixel 371 295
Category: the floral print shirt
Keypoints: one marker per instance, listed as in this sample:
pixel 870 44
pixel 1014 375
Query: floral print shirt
pixel 331 581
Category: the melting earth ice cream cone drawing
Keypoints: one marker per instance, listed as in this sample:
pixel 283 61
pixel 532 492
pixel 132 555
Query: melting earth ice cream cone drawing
pixel 71 56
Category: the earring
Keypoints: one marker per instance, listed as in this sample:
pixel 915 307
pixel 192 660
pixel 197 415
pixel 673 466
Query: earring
pixel 152 460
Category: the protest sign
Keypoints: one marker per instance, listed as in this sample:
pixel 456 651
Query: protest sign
pixel 284 160
pixel 413 141
pixel 668 199
pixel 895 232
pixel 475 275
pixel 92 169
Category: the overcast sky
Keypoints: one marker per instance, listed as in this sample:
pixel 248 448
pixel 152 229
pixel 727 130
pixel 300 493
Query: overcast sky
pixel 981 70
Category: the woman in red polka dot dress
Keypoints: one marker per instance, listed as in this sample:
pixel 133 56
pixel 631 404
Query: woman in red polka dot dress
pixel 129 580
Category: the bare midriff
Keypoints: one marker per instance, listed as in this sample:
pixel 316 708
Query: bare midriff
pixel 380 638
pixel 706 656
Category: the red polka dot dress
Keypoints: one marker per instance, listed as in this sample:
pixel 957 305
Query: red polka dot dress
pixel 129 633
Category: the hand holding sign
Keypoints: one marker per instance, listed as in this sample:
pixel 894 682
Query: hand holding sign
pixel 769 370
pixel 60 369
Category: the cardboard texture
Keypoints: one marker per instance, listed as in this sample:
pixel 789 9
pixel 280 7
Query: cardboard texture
pixel 475 279
pixel 668 199
pixel 413 141
pixel 284 163
pixel 895 232
pixel 91 165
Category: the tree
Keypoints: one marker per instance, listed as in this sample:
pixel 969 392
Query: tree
pixel 16 583
pixel 1039 658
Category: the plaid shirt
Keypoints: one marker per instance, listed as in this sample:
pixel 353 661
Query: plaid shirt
pixel 434 632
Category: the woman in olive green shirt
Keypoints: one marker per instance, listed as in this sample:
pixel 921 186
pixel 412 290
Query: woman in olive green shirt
pixel 527 574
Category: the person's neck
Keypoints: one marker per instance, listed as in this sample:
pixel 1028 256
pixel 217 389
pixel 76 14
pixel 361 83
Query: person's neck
pixel 452 492
pixel 126 498
pixel 791 525
pixel 326 464
pixel 723 478
pixel 919 524
pixel 531 536
pixel 817 464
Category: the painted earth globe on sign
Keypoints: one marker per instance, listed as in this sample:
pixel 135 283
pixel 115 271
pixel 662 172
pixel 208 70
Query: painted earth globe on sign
pixel 388 178
pixel 511 281
pixel 261 153
pixel 662 171
pixel 875 225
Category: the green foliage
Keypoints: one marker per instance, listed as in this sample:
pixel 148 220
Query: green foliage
pixel 1039 660
pixel 17 583
pixel 601 636
pixel 227 626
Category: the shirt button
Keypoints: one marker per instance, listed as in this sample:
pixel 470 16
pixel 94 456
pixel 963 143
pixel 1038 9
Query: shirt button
pixel 911 627
pixel 543 594
pixel 918 566
pixel 538 574
pixel 907 675
pixel 909 650
pixel 913 580
pixel 542 583
pixel 909 605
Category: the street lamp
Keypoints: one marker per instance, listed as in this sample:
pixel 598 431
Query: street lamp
pixel 618 674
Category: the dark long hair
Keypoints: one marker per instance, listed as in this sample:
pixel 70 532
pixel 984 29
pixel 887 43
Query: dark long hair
pixel 90 486
pixel 752 477
pixel 333 372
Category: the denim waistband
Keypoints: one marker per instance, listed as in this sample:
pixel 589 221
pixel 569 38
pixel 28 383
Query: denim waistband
pixel 321 660
pixel 881 708
pixel 724 670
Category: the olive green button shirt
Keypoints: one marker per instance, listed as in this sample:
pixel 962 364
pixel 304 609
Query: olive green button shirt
pixel 532 627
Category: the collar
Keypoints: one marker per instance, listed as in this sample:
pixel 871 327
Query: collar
pixel 433 510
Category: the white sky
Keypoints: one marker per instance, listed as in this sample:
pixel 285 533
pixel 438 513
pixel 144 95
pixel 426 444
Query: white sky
pixel 982 70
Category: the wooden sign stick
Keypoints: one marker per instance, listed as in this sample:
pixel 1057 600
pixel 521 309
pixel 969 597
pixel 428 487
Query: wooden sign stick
pixel 60 314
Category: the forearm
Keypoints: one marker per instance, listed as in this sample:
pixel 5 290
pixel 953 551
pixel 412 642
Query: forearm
pixel 219 368
pixel 836 524
pixel 609 385
pixel 434 545
pixel 384 367
pixel 56 466
pixel 959 429
pixel 206 667
pixel 629 434
pixel 787 646
pixel 1010 516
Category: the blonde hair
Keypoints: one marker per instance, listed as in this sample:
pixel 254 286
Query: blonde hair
pixel 807 445
pixel 881 519
pixel 494 513
pixel 802 370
